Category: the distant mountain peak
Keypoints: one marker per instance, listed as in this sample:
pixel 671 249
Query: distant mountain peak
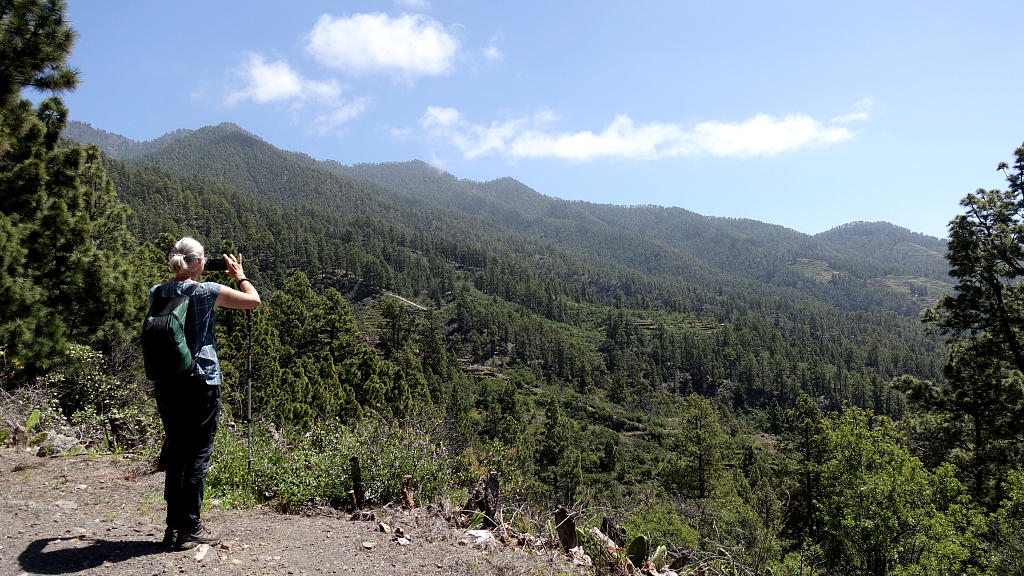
pixel 882 229
pixel 229 127
pixel 117 145
pixel 122 147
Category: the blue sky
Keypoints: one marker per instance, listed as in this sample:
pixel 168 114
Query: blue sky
pixel 804 114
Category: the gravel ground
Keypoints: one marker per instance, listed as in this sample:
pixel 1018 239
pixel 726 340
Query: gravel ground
pixel 103 514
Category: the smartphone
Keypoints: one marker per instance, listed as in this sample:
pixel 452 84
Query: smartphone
pixel 215 265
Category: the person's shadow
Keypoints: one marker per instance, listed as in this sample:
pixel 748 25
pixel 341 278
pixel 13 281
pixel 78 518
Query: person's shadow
pixel 37 560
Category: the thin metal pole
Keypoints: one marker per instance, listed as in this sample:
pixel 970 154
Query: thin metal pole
pixel 248 393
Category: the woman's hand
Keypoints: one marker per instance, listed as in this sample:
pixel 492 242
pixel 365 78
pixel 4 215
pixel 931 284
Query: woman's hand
pixel 246 297
pixel 234 266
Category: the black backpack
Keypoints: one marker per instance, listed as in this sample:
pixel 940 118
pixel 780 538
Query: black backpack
pixel 164 350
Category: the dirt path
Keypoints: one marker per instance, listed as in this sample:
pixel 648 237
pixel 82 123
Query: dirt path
pixel 91 514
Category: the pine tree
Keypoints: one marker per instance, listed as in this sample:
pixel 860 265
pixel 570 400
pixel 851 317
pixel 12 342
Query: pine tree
pixel 986 257
pixel 699 446
pixel 806 449
pixel 397 327
pixel 65 274
pixel 984 321
pixel 268 393
pixel 973 417
pixel 36 42
pixel 558 459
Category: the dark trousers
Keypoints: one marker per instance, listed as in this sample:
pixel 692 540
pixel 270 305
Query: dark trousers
pixel 189 408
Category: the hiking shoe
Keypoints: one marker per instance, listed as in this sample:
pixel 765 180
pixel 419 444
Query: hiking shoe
pixel 170 536
pixel 201 535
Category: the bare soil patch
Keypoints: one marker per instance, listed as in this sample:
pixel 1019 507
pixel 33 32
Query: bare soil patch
pixel 103 514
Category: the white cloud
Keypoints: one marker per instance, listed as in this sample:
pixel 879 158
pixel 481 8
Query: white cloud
pixel 439 117
pixel 276 82
pixel 492 52
pixel 410 45
pixel 473 141
pixel 762 135
pixel 266 82
pixel 499 137
pixel 341 114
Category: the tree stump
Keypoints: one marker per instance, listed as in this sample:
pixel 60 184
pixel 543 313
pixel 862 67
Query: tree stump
pixel 565 526
pixel 357 482
pixel 485 499
pixel 613 531
pixel 407 500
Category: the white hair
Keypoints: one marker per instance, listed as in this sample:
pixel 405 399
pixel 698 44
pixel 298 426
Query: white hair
pixel 185 254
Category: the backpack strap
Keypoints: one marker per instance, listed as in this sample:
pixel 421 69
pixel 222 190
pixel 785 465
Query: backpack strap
pixel 188 313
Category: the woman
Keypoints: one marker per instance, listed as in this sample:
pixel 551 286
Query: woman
pixel 189 404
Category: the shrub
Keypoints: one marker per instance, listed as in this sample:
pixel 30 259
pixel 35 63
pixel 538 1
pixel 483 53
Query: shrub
pixel 105 404
pixel 662 523
pixel 296 469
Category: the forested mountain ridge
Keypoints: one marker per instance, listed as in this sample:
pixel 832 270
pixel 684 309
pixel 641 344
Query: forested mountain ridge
pixel 845 267
pixel 881 247
pixel 420 232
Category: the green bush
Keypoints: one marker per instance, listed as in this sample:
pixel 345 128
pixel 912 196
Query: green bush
pixel 294 470
pixel 104 402
pixel 662 523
